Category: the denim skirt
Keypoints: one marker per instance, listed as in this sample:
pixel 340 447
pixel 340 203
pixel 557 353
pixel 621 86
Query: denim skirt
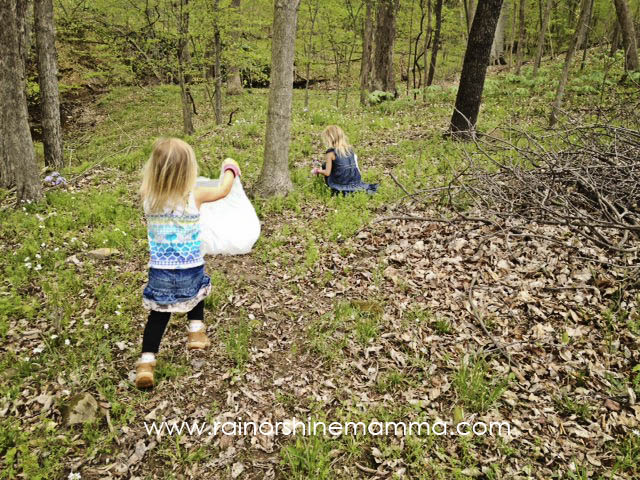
pixel 175 290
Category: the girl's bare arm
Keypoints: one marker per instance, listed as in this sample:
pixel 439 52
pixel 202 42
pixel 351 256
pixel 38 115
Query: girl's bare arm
pixel 211 194
pixel 326 171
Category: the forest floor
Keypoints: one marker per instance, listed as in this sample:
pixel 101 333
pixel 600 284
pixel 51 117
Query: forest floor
pixel 339 314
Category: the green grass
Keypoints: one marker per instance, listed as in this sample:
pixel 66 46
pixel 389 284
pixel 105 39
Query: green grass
pixel 237 338
pixel 87 319
pixel 307 459
pixel 477 388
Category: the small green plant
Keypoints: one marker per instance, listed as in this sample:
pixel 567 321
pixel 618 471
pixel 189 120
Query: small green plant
pixel 477 389
pixel 568 406
pixel 237 338
pixel 390 382
pixel 308 459
pixel 443 327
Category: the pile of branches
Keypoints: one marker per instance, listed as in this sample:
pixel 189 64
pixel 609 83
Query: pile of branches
pixel 578 188
pixel 585 178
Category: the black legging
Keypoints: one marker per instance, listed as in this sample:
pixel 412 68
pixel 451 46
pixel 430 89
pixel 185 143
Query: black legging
pixel 157 324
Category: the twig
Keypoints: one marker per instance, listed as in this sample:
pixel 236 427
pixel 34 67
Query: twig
pixel 476 314
pixel 399 184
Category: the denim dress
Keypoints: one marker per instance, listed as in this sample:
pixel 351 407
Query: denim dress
pixel 177 282
pixel 345 175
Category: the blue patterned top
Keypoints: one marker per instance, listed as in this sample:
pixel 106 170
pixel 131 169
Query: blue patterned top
pixel 174 237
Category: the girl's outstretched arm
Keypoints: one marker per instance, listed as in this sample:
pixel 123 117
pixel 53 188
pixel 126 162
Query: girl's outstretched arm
pixel 211 194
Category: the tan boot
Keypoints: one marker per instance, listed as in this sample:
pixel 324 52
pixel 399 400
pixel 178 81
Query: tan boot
pixel 144 375
pixel 198 340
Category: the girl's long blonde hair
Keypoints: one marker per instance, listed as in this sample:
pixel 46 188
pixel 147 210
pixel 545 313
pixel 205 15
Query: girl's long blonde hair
pixel 334 137
pixel 169 175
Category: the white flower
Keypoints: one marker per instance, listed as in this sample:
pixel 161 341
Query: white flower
pixel 74 239
pixel 38 268
pixel 106 326
pixel 28 264
pixel 43 244
pixel 67 342
pixel 38 349
pixel 38 255
pixel 118 313
pixel 41 226
pixel 104 241
pixel 74 476
pixel 636 432
pixel 86 322
pixel 56 249
pixel 54 336
pixel 27 259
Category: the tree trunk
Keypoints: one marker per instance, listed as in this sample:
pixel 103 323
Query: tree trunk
pixel 217 70
pixel 234 82
pixel 471 11
pixel 474 68
pixel 313 13
pixel 541 36
pixel 628 35
pixel 183 57
pixel 615 38
pixel 47 74
pixel 410 45
pixel 274 178
pixel 367 44
pixel 427 42
pixel 384 78
pixel 436 43
pixel 585 43
pixel 522 35
pixel 497 47
pixel 23 7
pixel 18 165
pixel 581 28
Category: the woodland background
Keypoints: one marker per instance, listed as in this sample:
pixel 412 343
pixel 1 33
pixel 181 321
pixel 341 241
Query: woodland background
pixel 493 277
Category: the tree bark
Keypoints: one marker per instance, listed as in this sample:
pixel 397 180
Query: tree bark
pixel 367 44
pixel 183 57
pixel 48 77
pixel 18 165
pixel 474 69
pixel 581 28
pixel 541 36
pixel 234 82
pixel 274 178
pixel 384 78
pixel 628 35
pixel 436 43
pixel 522 35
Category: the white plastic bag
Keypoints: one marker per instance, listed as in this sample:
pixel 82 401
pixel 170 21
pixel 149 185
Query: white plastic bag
pixel 229 226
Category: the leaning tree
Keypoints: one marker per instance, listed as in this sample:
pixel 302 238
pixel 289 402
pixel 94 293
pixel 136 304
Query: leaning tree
pixel 474 69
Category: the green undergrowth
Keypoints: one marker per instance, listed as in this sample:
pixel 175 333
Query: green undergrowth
pixel 73 324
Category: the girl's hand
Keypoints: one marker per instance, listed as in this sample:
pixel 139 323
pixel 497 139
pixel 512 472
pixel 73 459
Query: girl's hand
pixel 315 171
pixel 231 161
